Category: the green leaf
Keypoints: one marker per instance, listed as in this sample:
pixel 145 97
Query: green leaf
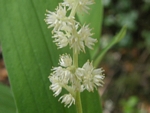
pixel 115 40
pixel 29 54
pixel 7 104
pixel 91 102
pixel 95 19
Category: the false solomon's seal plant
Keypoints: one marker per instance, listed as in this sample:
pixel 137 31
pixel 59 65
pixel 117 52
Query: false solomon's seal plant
pixel 68 75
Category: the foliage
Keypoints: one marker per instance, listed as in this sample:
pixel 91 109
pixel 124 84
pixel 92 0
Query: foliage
pixel 129 106
pixel 29 55
pixel 7 104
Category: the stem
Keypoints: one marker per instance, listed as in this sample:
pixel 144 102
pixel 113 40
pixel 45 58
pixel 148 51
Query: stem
pixel 75 63
pixel 77 99
pixel 73 11
pixel 75 58
pixel 78 103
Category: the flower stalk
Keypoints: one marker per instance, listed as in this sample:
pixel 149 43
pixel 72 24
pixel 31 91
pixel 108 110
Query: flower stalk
pixel 77 98
pixel 75 59
pixel 78 103
pixel 68 75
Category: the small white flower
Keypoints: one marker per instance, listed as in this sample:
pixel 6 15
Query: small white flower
pixel 64 74
pixel 76 42
pixel 93 77
pixel 67 99
pixel 80 72
pixel 86 34
pixel 82 4
pixel 89 42
pixel 58 19
pixel 81 38
pixel 69 3
pixel 56 86
pixel 60 39
pixel 65 60
pixel 98 79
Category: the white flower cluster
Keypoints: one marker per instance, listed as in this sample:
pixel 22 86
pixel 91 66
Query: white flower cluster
pixel 74 79
pixel 67 31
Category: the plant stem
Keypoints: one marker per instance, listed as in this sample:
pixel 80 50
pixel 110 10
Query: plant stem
pixel 77 98
pixel 73 11
pixel 75 58
pixel 78 103
pixel 75 63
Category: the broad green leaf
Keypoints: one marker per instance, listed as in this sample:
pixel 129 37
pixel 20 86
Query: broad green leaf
pixel 115 40
pixel 29 54
pixel 94 18
pixel 7 104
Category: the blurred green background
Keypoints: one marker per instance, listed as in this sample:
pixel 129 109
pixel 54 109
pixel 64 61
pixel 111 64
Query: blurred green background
pixel 127 64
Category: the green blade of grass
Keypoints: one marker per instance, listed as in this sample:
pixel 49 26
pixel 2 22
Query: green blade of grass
pixel 115 40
